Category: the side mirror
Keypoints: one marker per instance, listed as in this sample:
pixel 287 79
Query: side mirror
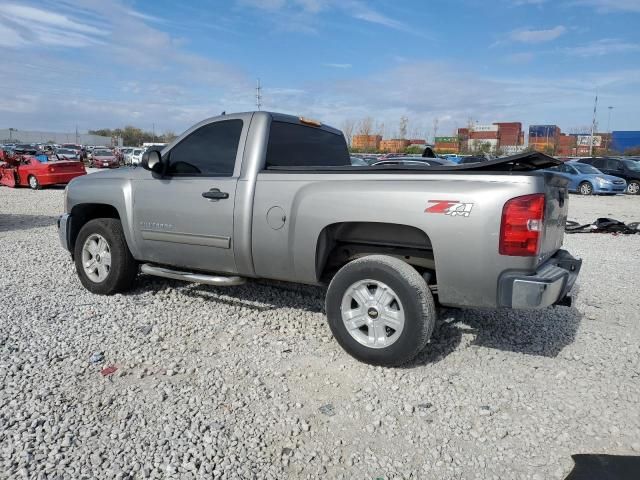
pixel 152 161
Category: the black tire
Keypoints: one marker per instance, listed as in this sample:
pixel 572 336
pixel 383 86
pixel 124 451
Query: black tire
pixel 585 188
pixel 123 269
pixel 415 298
pixel 33 182
pixel 633 188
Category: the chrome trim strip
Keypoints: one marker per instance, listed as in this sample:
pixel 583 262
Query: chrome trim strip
pixel 187 238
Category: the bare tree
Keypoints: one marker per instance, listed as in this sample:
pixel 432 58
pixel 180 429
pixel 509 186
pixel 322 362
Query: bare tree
pixel 379 129
pixel 403 127
pixel 347 128
pixel 365 127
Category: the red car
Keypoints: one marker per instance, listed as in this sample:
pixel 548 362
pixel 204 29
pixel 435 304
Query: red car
pixel 104 159
pixel 37 171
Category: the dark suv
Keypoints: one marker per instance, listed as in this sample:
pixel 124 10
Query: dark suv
pixel 623 168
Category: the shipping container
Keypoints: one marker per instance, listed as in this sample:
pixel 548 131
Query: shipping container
pixel 482 135
pixel 484 128
pixel 446 139
pixel 543 131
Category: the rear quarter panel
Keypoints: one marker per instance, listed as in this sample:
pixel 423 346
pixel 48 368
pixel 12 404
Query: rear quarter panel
pixel 465 248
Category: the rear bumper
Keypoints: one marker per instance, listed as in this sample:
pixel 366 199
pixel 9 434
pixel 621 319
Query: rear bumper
pixel 551 284
pixel 64 224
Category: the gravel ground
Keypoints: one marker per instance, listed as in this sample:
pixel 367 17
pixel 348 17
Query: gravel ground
pixel 247 382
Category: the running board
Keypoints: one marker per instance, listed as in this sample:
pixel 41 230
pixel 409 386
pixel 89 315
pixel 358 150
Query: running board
pixel 217 280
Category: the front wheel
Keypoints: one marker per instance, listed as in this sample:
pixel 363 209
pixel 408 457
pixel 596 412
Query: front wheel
pixel 585 188
pixel 380 310
pixel 34 184
pixel 103 261
pixel 633 188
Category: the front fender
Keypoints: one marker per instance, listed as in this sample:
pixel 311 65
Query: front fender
pixel 113 192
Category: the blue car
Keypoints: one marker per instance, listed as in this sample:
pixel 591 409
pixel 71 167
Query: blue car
pixel 588 180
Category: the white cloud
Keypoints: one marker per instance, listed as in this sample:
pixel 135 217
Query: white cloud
pixel 537 36
pixel 603 6
pixel 606 46
pixel 22 25
pixel 337 65
pixel 298 9
pixel 611 5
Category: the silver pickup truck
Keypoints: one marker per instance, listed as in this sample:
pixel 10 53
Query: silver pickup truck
pixel 272 196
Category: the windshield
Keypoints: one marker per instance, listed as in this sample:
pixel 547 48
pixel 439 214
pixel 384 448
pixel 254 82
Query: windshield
pixel 584 168
pixel 65 151
pixel 137 152
pixel 632 165
pixel 102 153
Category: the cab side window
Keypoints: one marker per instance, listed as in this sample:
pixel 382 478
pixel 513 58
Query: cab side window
pixel 209 151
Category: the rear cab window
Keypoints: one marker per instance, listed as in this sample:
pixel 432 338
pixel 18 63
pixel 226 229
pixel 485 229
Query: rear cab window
pixel 296 145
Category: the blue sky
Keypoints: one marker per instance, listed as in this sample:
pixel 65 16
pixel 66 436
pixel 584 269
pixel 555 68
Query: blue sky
pixel 99 63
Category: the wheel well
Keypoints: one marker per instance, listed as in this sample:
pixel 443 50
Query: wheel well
pixel 340 243
pixel 84 212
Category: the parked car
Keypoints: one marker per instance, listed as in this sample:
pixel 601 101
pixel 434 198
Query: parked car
pixel 37 172
pixel 67 154
pixel 359 162
pixel 586 179
pixel 135 157
pixel 628 170
pixel 267 195
pixel 104 158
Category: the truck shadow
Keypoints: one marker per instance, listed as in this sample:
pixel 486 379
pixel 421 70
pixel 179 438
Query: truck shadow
pixel 12 222
pixel 536 332
pixel 259 296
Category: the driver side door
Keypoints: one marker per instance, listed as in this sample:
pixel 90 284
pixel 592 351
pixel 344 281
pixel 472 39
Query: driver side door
pixel 185 219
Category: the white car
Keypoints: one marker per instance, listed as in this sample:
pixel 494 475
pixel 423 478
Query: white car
pixel 136 156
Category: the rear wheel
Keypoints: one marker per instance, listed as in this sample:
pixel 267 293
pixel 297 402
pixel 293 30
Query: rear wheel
pixel 380 310
pixel 633 188
pixel 103 261
pixel 33 182
pixel 585 188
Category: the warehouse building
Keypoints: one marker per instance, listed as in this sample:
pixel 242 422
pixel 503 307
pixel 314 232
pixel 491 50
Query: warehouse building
pixel 13 135
pixel 621 141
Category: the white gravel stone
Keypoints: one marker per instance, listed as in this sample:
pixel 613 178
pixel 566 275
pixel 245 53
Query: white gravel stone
pixel 210 392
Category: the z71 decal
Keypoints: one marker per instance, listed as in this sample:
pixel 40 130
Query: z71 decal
pixel 450 207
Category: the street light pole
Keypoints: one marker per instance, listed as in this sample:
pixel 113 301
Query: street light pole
pixel 609 126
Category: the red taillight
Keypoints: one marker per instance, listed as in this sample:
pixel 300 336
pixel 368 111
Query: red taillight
pixel 51 169
pixel 522 223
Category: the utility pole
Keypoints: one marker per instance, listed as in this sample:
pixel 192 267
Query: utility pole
pixel 153 129
pixel 593 125
pixel 435 130
pixel 77 136
pixel 258 95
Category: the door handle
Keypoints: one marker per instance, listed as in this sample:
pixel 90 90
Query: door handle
pixel 215 194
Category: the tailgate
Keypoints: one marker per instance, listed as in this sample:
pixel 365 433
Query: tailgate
pixel 555 214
